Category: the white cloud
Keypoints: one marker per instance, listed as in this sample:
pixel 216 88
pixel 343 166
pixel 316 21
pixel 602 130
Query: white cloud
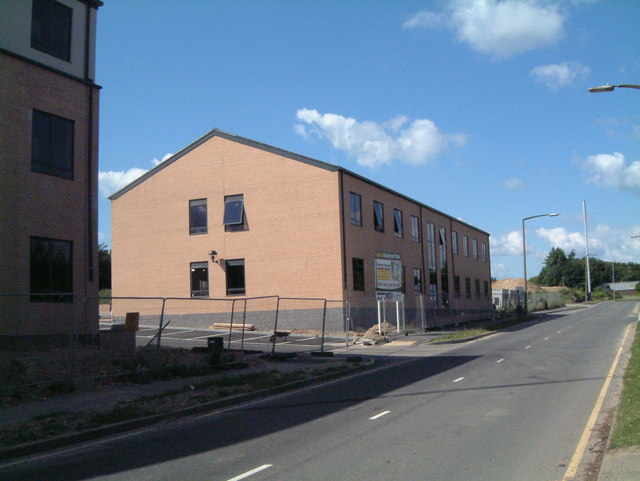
pixel 112 181
pixel 608 170
pixel 555 76
pixel 514 183
pixel 373 144
pixel 560 237
pixel 156 161
pixel 509 245
pixel 498 28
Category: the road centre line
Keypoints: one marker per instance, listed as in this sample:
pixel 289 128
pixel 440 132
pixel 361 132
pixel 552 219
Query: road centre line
pixel 584 439
pixel 459 379
pixel 528 347
pixel 379 415
pixel 252 472
pixel 500 360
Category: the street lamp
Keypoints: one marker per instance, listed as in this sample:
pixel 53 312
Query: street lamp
pixel 524 255
pixel 609 88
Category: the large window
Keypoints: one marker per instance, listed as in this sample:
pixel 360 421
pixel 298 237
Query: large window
pixel 355 207
pixel 358 273
pixel 235 276
pixel 467 287
pixel 199 279
pixel 378 216
pixel 456 286
pixel 417 280
pixel 51 28
pixel 415 229
pixel 234 212
pixel 474 245
pixel 52 145
pixel 51 269
pixel 483 250
pixel 198 216
pixel 398 227
pixel 465 246
pixel 454 242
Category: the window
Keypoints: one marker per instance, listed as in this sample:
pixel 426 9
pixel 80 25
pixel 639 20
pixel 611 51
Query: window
pixel 467 287
pixel 51 28
pixel 378 216
pixel 398 228
pixel 486 290
pixel 456 286
pixel 233 212
pixel 235 276
pixel 355 207
pixel 454 242
pixel 415 229
pixel 474 245
pixel 51 269
pixel 417 280
pixel 52 145
pixel 431 246
pixel 358 273
pixel 477 288
pixel 483 250
pixel 199 279
pixel 443 249
pixel 465 246
pixel 198 216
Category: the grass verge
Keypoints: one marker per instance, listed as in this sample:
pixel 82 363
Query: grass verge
pixel 463 334
pixel 627 426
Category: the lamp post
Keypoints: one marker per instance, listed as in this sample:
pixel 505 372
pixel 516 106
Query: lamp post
pixel 609 88
pixel 524 255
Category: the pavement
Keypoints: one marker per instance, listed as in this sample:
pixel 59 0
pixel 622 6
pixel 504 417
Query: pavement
pixel 617 465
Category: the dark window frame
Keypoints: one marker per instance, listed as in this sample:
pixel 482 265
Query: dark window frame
pixel 50 280
pixel 378 216
pixel 357 266
pixel 235 277
pixel 52 144
pixel 194 215
pixel 51 26
pixel 199 268
pixel 355 208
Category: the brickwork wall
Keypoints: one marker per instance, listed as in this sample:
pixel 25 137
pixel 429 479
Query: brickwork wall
pixel 35 204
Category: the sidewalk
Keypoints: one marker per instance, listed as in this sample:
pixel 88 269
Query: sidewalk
pixel 621 465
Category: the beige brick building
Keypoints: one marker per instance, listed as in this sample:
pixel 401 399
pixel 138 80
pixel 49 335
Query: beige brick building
pixel 228 217
pixel 48 168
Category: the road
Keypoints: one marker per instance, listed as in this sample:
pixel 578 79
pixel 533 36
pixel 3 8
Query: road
pixel 512 406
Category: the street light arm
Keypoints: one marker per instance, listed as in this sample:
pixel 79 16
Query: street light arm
pixel 540 215
pixel 609 88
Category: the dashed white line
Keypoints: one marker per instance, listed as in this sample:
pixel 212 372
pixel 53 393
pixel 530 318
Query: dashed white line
pixel 546 338
pixel 249 473
pixel 459 379
pixel 500 360
pixel 528 347
pixel 379 415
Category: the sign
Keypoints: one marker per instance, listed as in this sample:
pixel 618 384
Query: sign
pixel 388 269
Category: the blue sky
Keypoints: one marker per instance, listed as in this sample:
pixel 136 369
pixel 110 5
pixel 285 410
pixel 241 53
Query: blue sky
pixel 477 108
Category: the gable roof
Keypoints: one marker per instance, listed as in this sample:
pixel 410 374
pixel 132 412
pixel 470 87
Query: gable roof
pixel 274 150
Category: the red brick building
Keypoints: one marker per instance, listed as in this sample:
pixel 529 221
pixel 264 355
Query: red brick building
pixel 48 168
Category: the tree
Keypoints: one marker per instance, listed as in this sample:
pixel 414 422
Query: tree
pixel 104 266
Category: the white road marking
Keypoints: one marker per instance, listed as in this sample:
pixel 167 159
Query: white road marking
pixel 253 471
pixel 379 415
pixel 528 347
pixel 546 338
pixel 500 360
pixel 459 379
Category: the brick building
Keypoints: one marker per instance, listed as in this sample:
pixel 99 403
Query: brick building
pixel 229 217
pixel 48 168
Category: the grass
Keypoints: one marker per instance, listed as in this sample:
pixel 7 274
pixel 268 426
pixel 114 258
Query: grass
pixel 463 334
pixel 627 427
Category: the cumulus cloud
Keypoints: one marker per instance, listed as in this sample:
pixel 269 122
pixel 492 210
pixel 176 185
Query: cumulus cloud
pixel 612 170
pixel 514 183
pixel 555 76
pixel 509 245
pixel 156 161
pixel 373 144
pixel 500 29
pixel 560 237
pixel 112 181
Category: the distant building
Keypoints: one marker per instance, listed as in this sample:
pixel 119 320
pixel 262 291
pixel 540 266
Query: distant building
pixel 229 217
pixel 48 168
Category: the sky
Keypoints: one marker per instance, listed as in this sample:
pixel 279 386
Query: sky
pixel 477 108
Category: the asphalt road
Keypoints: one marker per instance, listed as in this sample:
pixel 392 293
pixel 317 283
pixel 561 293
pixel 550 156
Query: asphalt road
pixel 512 406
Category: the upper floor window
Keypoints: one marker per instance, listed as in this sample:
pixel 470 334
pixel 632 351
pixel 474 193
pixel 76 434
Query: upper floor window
pixel 398 227
pixel 233 211
pixel 465 246
pixel 355 207
pixel 483 250
pixel 198 216
pixel 454 242
pixel 474 245
pixel 415 229
pixel 52 145
pixel 51 28
pixel 51 269
pixel 378 216
pixel 431 247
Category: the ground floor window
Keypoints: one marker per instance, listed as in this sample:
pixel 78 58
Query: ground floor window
pixel 199 279
pixel 235 276
pixel 51 269
pixel 467 287
pixel 358 273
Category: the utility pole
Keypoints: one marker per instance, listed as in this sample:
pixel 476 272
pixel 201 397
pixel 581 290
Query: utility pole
pixel 587 286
